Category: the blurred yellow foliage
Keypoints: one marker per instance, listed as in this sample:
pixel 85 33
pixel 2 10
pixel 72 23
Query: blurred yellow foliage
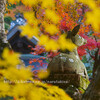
pixel 92 17
pixel 49 44
pixel 29 3
pixel 4 89
pixel 13 1
pixel 29 31
pixel 51 29
pixel 48 3
pixel 17 81
pixel 52 16
pixel 67 1
pixel 30 18
pixel 43 74
pixel 65 43
pixel 13 73
pixel 10 58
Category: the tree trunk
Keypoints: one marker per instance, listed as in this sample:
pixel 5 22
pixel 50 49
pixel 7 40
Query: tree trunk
pixel 93 90
pixel 3 39
pixel 2 27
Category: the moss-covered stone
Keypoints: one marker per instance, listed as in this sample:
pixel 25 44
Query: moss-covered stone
pixel 67 63
pixel 81 90
pixel 84 83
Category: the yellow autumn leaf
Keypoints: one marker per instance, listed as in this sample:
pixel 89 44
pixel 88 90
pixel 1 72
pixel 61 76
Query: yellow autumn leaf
pixel 13 1
pixel 30 3
pixel 43 74
pixel 29 31
pixel 22 90
pixel 36 96
pixel 51 29
pixel 62 43
pixel 93 18
pixel 48 3
pixel 8 57
pixel 51 15
pixel 49 44
pixel 65 43
pixel 4 89
pixel 30 16
pixel 43 39
pixel 67 1
pixel 14 74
